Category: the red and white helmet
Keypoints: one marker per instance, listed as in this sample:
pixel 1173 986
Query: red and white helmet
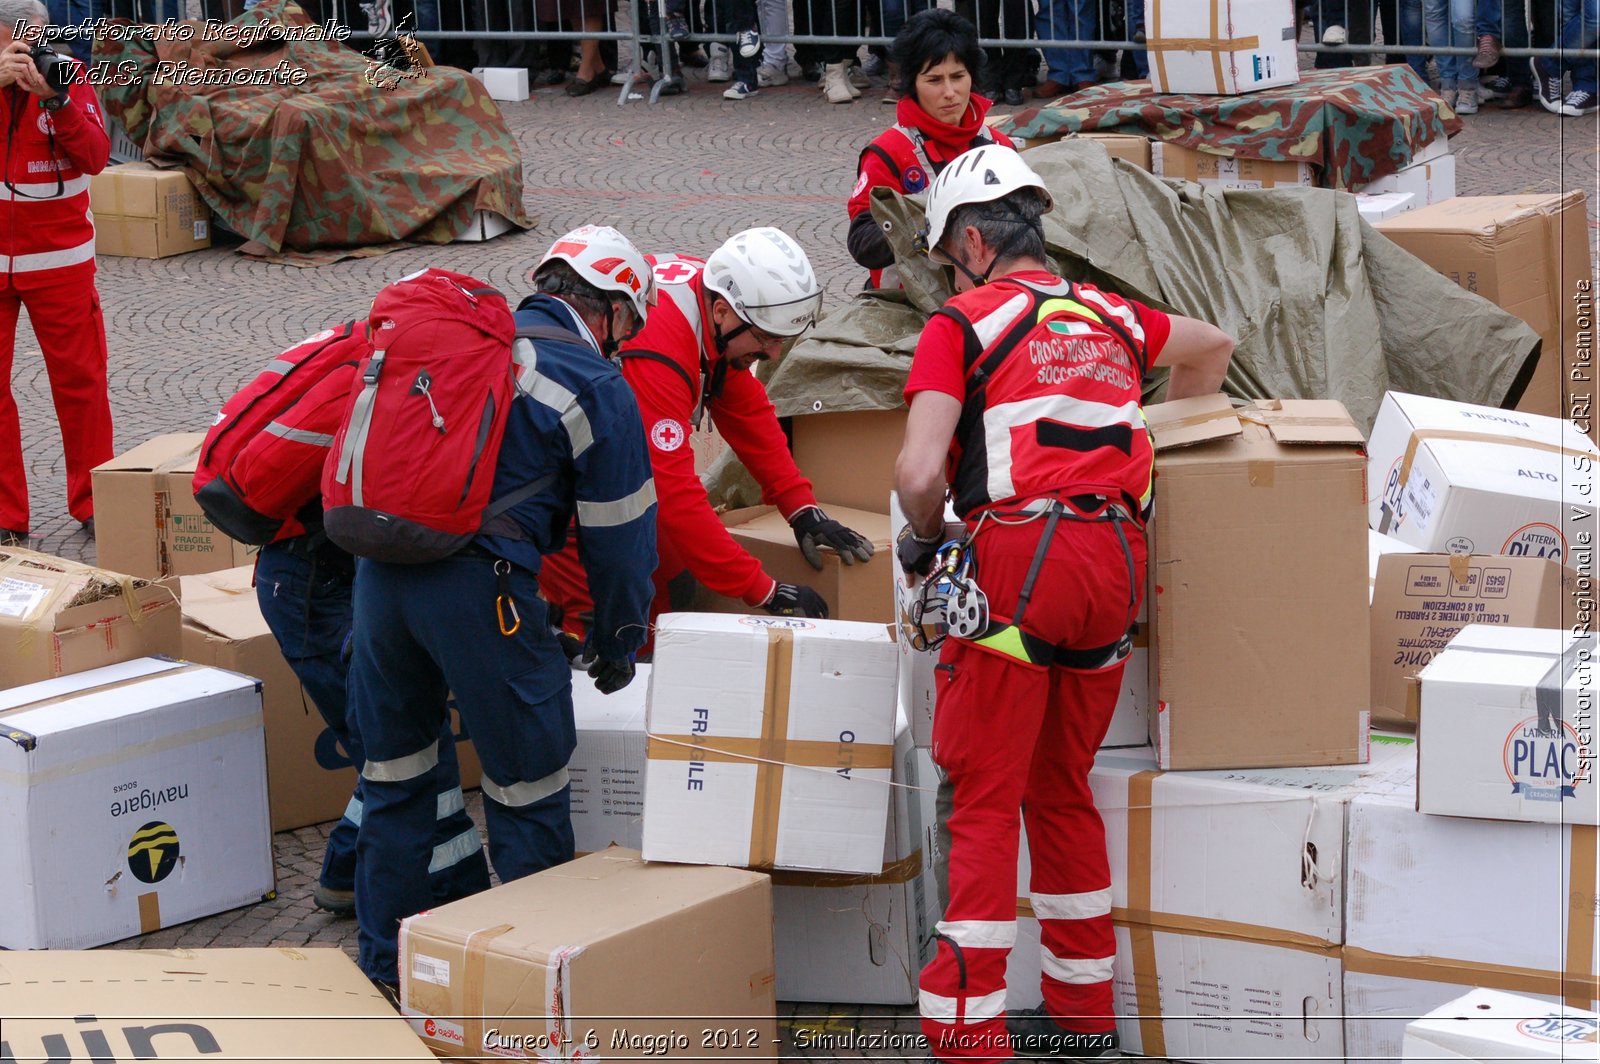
pixel 608 260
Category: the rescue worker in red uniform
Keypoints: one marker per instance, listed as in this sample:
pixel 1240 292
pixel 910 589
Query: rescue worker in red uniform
pixel 713 320
pixel 937 118
pixel 1025 406
pixel 54 142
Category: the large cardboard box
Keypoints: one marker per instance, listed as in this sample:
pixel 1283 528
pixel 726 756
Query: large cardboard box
pixel 853 592
pixel 606 769
pixel 59 617
pixel 1438 905
pixel 605 957
pixel 1222 47
pixel 1420 601
pixel 146 520
pixel 1260 654
pixel 1379 545
pixel 309 775
pixel 244 1006
pixel 1228 897
pixel 771 743
pixel 1530 256
pixel 1490 1025
pixel 1507 726
pixel 1469 479
pixel 849 456
pixel 1226 171
pixel 1426 181
pixel 146 213
pixel 132 797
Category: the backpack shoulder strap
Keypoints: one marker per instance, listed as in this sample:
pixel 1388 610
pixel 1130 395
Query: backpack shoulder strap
pixel 657 356
pixel 547 332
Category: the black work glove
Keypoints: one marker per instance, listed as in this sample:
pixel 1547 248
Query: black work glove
pixel 572 647
pixel 915 556
pixel 795 600
pixel 813 528
pixel 610 676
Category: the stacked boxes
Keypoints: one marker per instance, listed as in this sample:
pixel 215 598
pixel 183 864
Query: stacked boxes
pixel 1222 48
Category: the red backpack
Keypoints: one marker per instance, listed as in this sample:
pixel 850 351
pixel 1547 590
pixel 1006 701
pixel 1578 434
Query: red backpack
pixel 413 461
pixel 261 464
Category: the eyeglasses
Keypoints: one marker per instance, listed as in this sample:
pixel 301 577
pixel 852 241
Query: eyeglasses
pixel 766 339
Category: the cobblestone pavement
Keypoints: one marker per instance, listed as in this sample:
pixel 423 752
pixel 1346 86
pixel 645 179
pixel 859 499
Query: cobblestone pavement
pixel 681 176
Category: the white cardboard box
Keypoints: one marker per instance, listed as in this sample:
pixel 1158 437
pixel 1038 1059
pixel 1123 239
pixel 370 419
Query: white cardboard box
pixel 1221 48
pixel 607 765
pixel 1427 916
pixel 1491 1025
pixel 485 225
pixel 1375 207
pixel 507 84
pixel 1130 722
pixel 1507 726
pixel 771 742
pixel 1378 545
pixel 1463 479
pixel 859 939
pixel 1428 182
pixel 132 797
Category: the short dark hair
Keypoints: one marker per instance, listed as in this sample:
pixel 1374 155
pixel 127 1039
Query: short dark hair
pixel 929 38
pixel 557 278
pixel 1010 223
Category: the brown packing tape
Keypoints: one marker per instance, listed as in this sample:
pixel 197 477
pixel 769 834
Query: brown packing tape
pixel 149 913
pixel 1147 990
pixel 1153 14
pixel 1420 435
pixel 1203 44
pixel 1206 927
pixel 774 741
pixel 1511 979
pixel 472 983
pixel 1579 988
pixel 1195 419
pixel 902 871
pixel 97 688
pixel 1262 474
pixel 1460 568
pixel 1216 56
pixel 1306 420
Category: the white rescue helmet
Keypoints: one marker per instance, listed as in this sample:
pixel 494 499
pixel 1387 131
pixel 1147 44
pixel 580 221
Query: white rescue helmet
pixel 979 175
pixel 766 278
pixel 607 260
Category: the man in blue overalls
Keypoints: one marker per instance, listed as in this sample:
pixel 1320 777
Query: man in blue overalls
pixel 473 623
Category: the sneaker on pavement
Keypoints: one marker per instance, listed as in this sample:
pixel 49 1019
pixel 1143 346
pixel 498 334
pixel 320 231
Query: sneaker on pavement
pixel 857 77
pixel 793 68
pixel 1466 102
pixel 836 84
pixel 1334 36
pixel 891 95
pixel 11 537
pixel 337 902
pixel 749 43
pixel 1579 102
pixel 1034 1034
pixel 770 75
pixel 1550 97
pixel 1493 88
pixel 1448 93
pixel 721 67
pixel 874 66
pixel 738 91
pixel 1488 51
pixel 677 27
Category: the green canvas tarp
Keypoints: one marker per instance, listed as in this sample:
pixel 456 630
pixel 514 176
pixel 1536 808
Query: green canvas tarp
pixel 322 149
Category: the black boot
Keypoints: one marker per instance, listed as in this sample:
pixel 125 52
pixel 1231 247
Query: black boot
pixel 1035 1035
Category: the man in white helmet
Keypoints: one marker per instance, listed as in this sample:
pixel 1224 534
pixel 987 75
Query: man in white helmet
pixel 1025 410
pixel 714 319
pixel 473 623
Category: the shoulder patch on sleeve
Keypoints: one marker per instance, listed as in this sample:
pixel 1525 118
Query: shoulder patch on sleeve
pixel 668 434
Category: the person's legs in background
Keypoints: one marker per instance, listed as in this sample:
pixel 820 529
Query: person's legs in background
pixel 1069 68
pixel 1463 34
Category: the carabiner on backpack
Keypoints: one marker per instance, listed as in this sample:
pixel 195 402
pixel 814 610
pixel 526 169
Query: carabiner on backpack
pixel 503 600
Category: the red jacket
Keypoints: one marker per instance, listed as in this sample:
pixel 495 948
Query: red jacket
pixel 670 367
pixel 43 233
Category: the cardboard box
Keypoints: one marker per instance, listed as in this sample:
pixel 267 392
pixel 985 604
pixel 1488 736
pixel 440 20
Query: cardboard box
pixel 1379 545
pixel 1478 480
pixel 310 778
pixel 485 225
pixel 1375 207
pixel 849 456
pixel 1226 171
pixel 1508 727
pixel 602 958
pixel 771 743
pixel 1128 147
pixel 1421 601
pixel 146 520
pixel 59 617
pixel 1221 48
pixel 245 1006
pixel 1256 554
pixel 853 592
pixel 1426 915
pixel 607 766
pixel 506 84
pixel 1428 182
pixel 1228 898
pixel 1530 256
pixel 1490 1025
pixel 145 213
pixel 155 771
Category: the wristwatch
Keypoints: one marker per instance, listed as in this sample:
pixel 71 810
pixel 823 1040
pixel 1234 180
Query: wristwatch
pixel 55 103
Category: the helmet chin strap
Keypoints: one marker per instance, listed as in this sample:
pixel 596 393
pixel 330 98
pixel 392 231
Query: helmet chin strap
pixel 999 253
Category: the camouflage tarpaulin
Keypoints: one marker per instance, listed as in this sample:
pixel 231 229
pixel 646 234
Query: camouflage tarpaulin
pixel 333 161
pixel 1355 124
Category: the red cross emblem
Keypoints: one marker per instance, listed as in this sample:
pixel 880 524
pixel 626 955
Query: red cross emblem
pixel 667 434
pixel 673 272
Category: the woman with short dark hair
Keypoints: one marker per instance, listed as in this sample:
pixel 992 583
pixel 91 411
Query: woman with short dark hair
pixel 937 118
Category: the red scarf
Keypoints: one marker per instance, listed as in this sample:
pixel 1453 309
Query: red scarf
pixel 944 141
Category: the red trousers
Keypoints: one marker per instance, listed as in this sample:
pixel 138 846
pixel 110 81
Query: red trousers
pixel 562 582
pixel 1016 742
pixel 65 315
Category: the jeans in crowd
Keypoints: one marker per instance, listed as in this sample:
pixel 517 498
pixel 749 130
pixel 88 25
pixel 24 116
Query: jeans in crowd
pixel 1069 20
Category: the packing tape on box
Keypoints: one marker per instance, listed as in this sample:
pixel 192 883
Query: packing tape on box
pixel 122 754
pixel 1202 44
pixel 149 913
pixel 773 752
pixel 1195 419
pixel 1419 436
pixel 1209 927
pixel 1155 37
pixel 1142 937
pixel 902 871
pixel 472 983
